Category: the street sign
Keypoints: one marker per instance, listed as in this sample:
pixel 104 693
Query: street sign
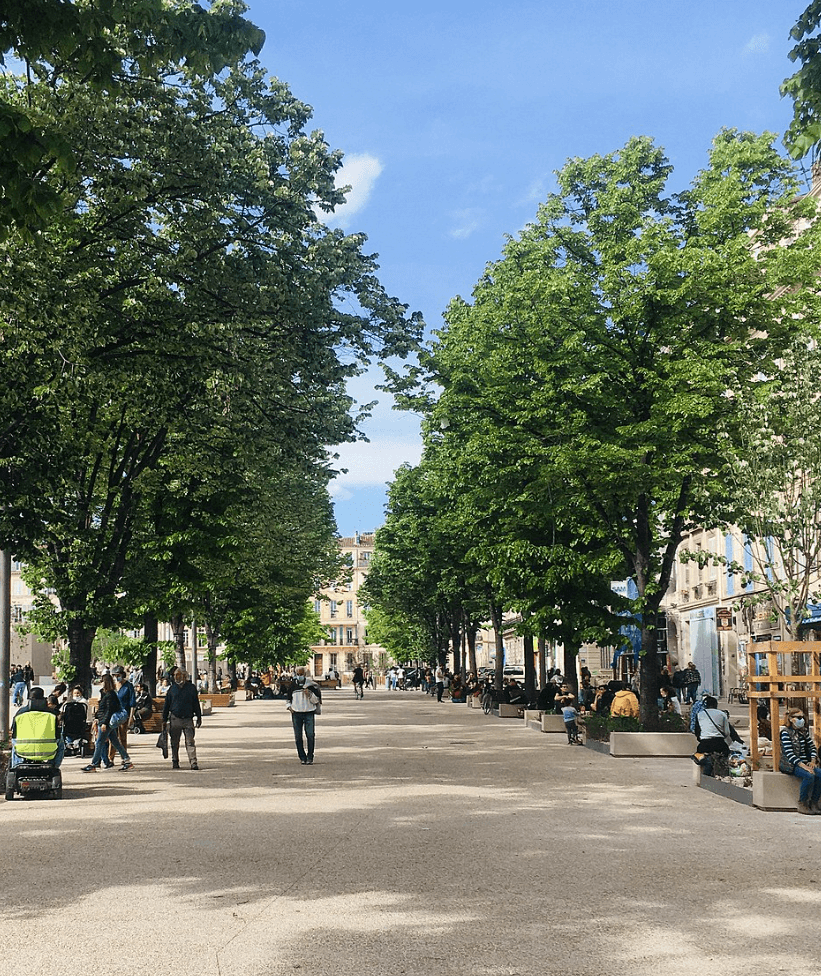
pixel 724 619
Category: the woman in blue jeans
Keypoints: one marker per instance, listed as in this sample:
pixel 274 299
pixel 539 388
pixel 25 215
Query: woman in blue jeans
pixel 799 758
pixel 109 705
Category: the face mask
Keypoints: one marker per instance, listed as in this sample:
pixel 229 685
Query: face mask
pixel 798 723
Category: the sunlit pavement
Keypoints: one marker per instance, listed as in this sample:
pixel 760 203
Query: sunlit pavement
pixel 426 839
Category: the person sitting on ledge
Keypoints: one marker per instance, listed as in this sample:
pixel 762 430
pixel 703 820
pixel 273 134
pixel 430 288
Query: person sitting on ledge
pixel 624 703
pixel 714 734
pixel 514 693
pixel 800 758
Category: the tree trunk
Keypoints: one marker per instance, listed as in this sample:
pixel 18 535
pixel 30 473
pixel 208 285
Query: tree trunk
pixel 150 635
pixel 212 637
pixel 456 641
pixel 649 675
pixel 470 633
pixel 496 616
pixel 80 639
pixel 530 669
pixel 178 628
pixel 571 652
pixel 542 646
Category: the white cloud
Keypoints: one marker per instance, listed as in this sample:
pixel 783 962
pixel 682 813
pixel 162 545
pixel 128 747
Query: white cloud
pixel 372 464
pixel 466 222
pixel 360 171
pixel 758 44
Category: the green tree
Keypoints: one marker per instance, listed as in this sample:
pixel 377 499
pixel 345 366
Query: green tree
pixel 187 287
pixel 611 330
pixel 96 43
pixel 804 86
pixel 773 480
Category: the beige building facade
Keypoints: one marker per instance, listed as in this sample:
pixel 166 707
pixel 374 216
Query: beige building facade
pixel 341 614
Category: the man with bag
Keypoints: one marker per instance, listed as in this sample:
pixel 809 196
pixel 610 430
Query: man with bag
pixel 182 706
pixel 304 702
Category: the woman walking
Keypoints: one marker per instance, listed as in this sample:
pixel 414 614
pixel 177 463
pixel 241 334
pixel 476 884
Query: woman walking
pixel 109 706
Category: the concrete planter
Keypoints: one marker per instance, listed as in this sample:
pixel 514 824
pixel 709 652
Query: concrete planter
pixel 774 790
pixel 597 746
pixel 661 744
pixel 738 794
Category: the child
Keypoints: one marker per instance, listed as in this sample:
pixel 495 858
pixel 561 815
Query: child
pixel 570 714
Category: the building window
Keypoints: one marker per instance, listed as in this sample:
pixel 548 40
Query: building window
pixel 349 638
pixel 333 608
pixel 334 659
pixel 317 606
pixel 350 662
pixel 349 608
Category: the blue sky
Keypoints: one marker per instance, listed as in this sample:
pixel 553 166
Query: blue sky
pixel 453 117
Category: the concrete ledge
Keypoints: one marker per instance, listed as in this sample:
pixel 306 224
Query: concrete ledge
pixel 670 744
pixel 506 710
pixel 553 723
pixel 532 715
pixel 775 791
pixel 474 701
pixel 729 791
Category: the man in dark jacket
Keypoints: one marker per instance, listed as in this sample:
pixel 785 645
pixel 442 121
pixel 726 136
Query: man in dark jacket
pixel 182 706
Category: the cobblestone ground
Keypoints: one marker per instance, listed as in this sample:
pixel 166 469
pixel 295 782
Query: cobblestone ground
pixel 425 839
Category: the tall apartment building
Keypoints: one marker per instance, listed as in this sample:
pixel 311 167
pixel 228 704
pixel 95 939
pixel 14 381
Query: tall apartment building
pixel 342 616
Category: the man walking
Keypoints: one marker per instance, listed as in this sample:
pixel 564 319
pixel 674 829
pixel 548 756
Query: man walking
pixel 440 682
pixel 182 706
pixel 304 698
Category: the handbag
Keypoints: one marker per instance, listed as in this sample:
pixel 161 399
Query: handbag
pixel 162 743
pixel 117 719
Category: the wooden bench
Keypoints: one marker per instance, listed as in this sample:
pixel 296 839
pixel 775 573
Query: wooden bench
pixel 219 701
pixel 327 682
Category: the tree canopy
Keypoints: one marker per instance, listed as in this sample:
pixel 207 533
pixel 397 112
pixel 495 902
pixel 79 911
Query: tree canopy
pixel 604 343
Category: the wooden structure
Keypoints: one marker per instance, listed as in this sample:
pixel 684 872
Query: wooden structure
pixel 788 690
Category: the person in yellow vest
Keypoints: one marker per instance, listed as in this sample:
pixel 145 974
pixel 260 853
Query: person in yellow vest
pixel 34 733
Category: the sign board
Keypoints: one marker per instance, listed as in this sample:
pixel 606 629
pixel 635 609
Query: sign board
pixel 724 619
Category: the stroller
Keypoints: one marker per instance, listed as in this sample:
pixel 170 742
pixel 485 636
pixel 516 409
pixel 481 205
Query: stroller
pixel 76 727
pixel 35 756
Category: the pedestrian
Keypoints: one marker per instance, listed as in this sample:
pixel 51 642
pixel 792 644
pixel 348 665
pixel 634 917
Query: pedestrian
pixel 28 676
pixel 108 711
pixel 358 682
pixel 692 679
pixel 304 699
pixel 181 708
pixel 570 715
pixel 440 682
pixel 128 700
pixel 18 683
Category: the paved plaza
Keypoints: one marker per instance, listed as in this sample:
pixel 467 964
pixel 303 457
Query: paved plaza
pixel 426 839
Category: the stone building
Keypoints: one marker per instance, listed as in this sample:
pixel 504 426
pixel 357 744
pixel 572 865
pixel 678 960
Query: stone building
pixel 341 614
